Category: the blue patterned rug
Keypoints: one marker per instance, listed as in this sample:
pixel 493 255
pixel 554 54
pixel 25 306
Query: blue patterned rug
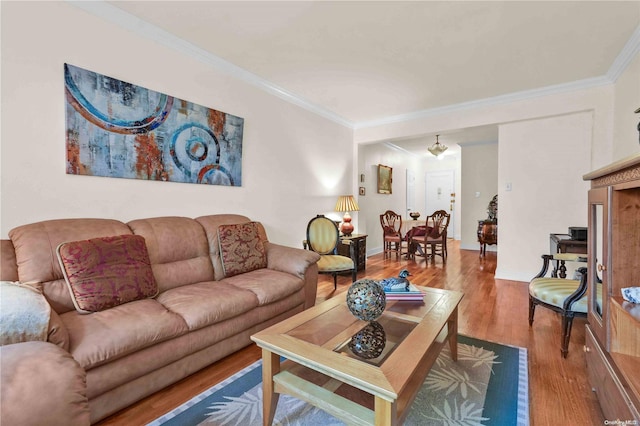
pixel 487 386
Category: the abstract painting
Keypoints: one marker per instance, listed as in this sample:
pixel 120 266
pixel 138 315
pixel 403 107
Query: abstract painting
pixel 117 129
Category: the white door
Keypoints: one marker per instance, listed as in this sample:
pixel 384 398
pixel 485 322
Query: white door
pixel 440 194
pixel 411 193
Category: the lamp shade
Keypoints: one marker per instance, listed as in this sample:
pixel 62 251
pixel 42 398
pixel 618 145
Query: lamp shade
pixel 346 203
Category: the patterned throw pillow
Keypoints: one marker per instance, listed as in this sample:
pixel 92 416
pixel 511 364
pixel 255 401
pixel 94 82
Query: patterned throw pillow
pixel 105 272
pixel 241 248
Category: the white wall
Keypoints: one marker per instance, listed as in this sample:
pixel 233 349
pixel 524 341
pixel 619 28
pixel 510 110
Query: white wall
pixel 626 101
pixel 479 175
pixel 595 143
pixel 291 166
pixel 543 160
pixel 599 100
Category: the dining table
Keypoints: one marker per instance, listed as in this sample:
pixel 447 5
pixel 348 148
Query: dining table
pixel 408 225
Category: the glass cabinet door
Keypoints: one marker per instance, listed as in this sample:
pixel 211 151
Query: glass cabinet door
pixel 598 268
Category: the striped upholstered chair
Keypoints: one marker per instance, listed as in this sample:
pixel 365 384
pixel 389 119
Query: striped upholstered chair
pixel 323 237
pixel 562 295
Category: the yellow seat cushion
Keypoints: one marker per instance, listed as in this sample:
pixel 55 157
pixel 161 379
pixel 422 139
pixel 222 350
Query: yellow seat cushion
pixel 334 263
pixel 555 291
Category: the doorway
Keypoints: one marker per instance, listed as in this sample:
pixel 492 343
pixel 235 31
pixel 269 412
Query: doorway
pixel 441 194
pixel 411 193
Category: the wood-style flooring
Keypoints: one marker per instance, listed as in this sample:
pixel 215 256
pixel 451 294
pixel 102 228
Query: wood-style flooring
pixel 495 310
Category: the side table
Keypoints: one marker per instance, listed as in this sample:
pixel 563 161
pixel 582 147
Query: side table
pixel 487 234
pixel 359 242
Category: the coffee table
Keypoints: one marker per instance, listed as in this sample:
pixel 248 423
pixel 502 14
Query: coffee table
pixel 323 370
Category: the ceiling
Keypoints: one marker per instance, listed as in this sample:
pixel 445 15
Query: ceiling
pixel 363 62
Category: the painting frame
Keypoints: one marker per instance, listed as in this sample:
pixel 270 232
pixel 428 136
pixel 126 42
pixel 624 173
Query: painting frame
pixel 385 179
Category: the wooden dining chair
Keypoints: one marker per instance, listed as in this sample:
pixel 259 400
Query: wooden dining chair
pixel 435 239
pixel 391 223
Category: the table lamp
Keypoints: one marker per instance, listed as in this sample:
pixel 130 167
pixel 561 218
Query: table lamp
pixel 346 204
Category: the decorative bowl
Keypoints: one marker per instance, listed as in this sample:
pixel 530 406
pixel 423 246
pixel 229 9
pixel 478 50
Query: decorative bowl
pixel 366 299
pixel 414 215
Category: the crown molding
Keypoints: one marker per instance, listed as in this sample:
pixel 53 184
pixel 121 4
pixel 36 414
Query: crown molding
pixel 395 147
pixel 626 55
pixel 132 23
pixel 487 102
pixel 136 25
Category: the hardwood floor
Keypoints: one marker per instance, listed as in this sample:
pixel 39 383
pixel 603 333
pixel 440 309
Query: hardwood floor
pixel 495 310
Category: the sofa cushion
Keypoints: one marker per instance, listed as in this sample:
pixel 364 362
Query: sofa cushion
pixel 269 286
pixel 210 224
pixel 207 303
pixel 241 248
pixel 105 272
pixel 103 336
pixel 35 247
pixel 178 250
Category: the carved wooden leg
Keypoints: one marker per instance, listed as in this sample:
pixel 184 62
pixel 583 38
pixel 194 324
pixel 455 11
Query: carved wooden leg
pixel 532 310
pixel 567 321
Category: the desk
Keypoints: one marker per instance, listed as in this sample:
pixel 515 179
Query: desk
pixel 562 243
pixel 359 242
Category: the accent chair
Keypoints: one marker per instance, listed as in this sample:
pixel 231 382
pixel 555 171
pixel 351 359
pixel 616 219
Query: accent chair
pixel 323 238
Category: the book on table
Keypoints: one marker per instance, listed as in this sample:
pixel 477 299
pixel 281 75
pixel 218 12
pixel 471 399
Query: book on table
pixel 412 294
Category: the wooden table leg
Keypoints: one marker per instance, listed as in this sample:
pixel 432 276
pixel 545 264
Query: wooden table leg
pixel 453 332
pixel 386 412
pixel 270 367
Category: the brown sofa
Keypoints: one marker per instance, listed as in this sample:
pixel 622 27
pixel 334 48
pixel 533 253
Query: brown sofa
pixel 199 316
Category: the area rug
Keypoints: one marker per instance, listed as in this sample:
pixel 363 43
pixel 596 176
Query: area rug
pixel 487 386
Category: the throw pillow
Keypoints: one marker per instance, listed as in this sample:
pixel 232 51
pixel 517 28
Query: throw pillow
pixel 24 313
pixel 105 272
pixel 241 248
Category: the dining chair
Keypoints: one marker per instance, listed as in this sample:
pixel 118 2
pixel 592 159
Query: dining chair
pixel 435 237
pixel 562 295
pixel 391 223
pixel 323 238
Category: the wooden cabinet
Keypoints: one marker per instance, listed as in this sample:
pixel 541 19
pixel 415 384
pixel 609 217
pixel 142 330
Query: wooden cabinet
pixel 487 234
pixel 359 242
pixel 613 331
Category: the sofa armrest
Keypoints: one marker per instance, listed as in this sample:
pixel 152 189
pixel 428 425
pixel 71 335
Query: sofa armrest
pixel 298 262
pixel 40 383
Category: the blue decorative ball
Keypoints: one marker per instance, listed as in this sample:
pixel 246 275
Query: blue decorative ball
pixel 366 299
